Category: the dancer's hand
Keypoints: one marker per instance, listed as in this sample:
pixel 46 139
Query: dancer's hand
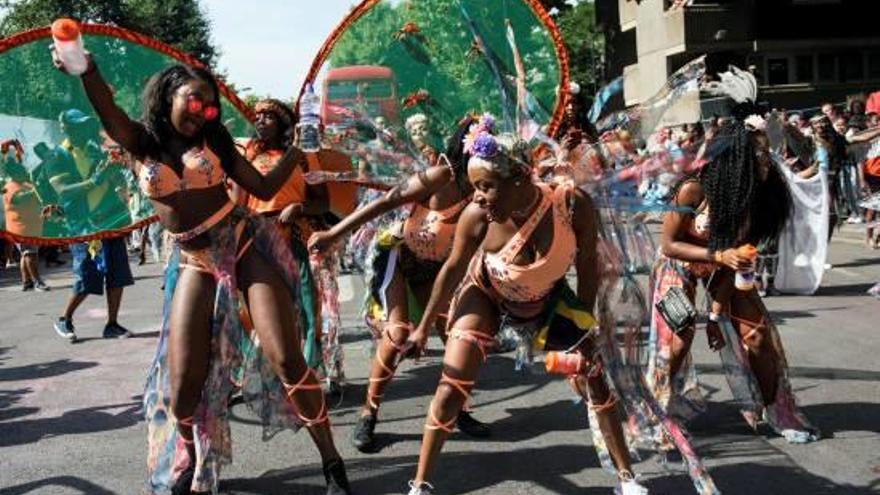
pixel 321 241
pixel 736 262
pixel 56 61
pixel 415 345
pixel 716 338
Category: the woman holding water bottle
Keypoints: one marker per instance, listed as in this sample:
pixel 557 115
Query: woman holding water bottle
pixel 736 201
pixel 184 153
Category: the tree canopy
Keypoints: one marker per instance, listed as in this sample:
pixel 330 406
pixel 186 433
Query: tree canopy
pixel 179 23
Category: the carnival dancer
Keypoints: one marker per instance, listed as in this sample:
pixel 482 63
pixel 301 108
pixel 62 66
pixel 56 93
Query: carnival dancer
pixel 183 152
pixel 739 197
pixel 411 256
pixel 513 246
pixel 299 210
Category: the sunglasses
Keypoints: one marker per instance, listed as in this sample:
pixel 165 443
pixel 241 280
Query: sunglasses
pixel 195 105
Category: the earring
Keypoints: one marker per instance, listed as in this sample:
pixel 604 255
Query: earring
pixel 517 183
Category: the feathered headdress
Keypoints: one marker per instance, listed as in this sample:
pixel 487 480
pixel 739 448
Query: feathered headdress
pixel 742 87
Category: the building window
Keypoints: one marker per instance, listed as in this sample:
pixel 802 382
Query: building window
pixel 758 62
pixel 803 67
pixel 777 71
pixel 874 65
pixel 827 67
pixel 850 67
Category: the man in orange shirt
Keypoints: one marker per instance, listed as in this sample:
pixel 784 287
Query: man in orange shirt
pixel 23 212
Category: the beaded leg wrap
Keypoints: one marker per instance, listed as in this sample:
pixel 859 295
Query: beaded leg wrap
pixel 482 341
pixel 389 372
pixel 462 386
pixel 301 385
pixel 609 405
pixel 188 422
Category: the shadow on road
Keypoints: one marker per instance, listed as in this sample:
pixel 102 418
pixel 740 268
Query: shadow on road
pixel 859 263
pixel 75 422
pixel 547 467
pixel 844 290
pixel 43 370
pixel 72 484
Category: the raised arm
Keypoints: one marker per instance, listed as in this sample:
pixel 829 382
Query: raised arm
pixel 865 136
pixel 129 134
pixel 243 172
pixel 469 234
pixel 418 187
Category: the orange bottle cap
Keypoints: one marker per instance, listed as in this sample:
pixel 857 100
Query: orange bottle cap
pixel 748 251
pixel 65 29
pixel 551 361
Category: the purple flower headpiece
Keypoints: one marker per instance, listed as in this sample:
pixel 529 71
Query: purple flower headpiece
pixel 479 141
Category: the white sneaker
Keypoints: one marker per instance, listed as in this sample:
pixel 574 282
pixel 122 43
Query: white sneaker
pixel 630 487
pixel 423 488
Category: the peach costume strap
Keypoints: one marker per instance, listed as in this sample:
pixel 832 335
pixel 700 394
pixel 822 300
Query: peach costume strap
pixel 203 227
pixel 200 260
pixel 516 243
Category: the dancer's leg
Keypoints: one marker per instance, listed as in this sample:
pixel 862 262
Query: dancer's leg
pixel 461 364
pixel 272 312
pixel 751 321
pixel 189 347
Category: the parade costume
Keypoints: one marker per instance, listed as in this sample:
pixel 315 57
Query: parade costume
pixel 293 191
pixel 232 231
pixel 536 303
pixel 680 395
pixel 417 246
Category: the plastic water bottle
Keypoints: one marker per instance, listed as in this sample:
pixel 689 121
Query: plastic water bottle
pixel 69 46
pixel 564 363
pixel 309 122
pixel 745 280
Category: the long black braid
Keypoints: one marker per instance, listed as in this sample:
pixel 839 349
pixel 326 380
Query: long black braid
pixel 458 158
pixel 742 208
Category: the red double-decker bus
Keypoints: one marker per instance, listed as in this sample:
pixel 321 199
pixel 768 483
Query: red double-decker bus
pixel 368 90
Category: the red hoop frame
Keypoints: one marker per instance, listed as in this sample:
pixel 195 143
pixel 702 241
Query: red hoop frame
pixel 539 11
pixel 25 37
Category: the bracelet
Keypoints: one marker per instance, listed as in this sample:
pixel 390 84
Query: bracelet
pixel 718 259
pixel 714 317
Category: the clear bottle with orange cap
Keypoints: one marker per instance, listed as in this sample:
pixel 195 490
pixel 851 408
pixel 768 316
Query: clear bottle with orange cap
pixel 745 279
pixel 69 46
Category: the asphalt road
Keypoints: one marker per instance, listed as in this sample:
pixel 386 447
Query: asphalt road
pixel 70 420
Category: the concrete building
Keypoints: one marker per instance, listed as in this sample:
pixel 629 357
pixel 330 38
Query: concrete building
pixel 803 52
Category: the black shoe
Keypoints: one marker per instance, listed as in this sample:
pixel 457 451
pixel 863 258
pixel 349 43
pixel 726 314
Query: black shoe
pixel 337 481
pixel 471 427
pixel 27 286
pixel 115 331
pixel 235 398
pixel 65 329
pixel 41 286
pixel 184 482
pixel 364 438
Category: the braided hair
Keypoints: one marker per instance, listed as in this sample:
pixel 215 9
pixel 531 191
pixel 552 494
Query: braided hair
pixel 458 157
pixel 742 207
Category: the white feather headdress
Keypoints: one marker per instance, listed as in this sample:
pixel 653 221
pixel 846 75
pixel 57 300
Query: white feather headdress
pixel 738 84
